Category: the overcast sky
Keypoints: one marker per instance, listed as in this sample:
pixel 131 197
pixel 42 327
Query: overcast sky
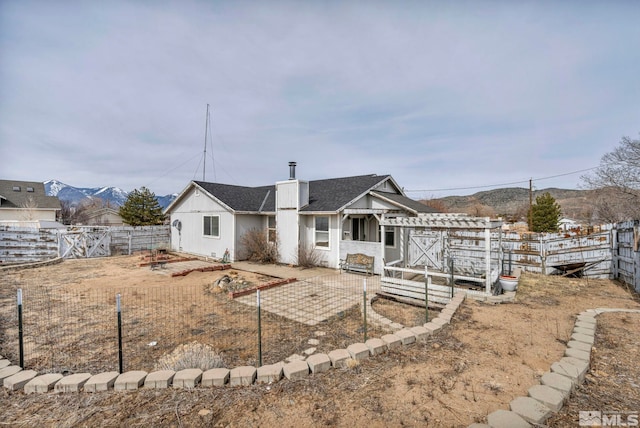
pixel 439 94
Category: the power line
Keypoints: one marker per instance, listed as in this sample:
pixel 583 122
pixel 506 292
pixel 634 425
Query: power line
pixel 502 184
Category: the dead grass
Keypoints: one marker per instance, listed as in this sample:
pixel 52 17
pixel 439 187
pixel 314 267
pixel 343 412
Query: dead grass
pixel 488 356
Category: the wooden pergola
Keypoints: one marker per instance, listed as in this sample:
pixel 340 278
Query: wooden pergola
pixel 478 228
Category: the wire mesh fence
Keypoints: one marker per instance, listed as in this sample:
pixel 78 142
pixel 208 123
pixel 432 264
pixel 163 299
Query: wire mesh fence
pixel 69 329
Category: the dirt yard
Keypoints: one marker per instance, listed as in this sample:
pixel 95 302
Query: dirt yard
pixel 488 355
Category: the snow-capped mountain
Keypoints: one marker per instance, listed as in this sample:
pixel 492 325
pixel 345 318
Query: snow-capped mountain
pixel 75 195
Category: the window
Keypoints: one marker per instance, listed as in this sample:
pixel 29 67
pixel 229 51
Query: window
pixel 211 226
pixel 271 228
pixel 29 189
pixel 16 188
pixel 389 236
pixel 322 232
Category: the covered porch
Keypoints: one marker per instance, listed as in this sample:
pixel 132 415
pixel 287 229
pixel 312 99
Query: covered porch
pixel 440 254
pixel 361 233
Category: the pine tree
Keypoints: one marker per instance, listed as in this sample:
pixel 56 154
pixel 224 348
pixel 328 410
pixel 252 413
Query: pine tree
pixel 142 209
pixel 545 214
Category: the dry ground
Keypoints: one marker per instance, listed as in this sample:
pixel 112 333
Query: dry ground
pixel 70 318
pixel 489 355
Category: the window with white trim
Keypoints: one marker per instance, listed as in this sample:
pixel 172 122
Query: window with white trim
pixel 322 232
pixel 211 226
pixel 389 236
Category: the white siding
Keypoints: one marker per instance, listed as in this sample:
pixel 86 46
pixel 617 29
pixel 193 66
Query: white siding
pixel 329 257
pixel 191 211
pixel 304 193
pixel 287 195
pixel 288 199
pixel 245 223
pixel 27 214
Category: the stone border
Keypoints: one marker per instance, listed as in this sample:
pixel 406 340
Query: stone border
pixel 14 378
pixel 558 383
pixel 270 284
pixel 201 269
pixel 31 265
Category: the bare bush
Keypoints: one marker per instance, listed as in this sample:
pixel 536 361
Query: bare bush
pixel 192 355
pixel 257 247
pixel 308 257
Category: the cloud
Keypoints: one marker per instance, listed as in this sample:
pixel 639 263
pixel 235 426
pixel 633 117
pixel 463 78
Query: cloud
pixel 438 95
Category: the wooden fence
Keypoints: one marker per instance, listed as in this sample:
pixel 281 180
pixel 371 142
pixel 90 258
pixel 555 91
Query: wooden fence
pixel 613 252
pixel 625 264
pixel 560 253
pixel 25 245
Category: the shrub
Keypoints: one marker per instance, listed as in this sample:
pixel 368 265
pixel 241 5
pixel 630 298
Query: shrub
pixel 308 257
pixel 192 355
pixel 258 248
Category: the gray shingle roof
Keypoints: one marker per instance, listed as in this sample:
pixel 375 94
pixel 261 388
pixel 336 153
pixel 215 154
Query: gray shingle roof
pixel 29 191
pixel 241 198
pixel 408 202
pixel 328 195
pixel 334 193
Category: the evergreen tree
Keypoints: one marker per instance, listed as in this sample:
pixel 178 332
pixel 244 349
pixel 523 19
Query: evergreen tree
pixel 545 214
pixel 142 209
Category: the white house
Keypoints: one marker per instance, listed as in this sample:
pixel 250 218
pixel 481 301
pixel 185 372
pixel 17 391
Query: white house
pixel 335 216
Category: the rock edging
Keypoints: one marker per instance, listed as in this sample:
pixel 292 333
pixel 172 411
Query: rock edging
pixel 558 383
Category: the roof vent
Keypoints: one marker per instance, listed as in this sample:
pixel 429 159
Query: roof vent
pixel 292 170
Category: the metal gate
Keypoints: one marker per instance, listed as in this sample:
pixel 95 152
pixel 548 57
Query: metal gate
pixel 85 243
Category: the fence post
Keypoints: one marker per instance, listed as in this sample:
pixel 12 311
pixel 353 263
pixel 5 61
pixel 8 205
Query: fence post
pixel 364 307
pixel 20 333
pixel 118 309
pixel 426 295
pixel 259 329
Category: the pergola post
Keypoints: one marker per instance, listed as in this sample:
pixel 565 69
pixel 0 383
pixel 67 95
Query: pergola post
pixel 382 238
pixel 487 255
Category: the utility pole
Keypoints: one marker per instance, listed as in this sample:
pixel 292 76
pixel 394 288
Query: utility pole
pixel 530 205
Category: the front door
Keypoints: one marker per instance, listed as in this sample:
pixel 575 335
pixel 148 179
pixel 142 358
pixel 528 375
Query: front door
pixel 358 229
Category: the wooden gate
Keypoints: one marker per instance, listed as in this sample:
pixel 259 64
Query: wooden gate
pixel 85 243
pixel 427 248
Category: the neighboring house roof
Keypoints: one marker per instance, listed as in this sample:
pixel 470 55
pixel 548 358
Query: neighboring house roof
pixel 26 194
pixel 102 211
pixel 330 195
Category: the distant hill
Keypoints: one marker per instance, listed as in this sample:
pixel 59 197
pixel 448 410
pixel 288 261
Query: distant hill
pixel 114 195
pixel 514 201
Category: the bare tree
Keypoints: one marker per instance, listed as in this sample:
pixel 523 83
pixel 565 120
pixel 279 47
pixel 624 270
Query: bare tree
pixel 436 204
pixel 28 206
pixel 79 214
pixel 480 210
pixel 617 183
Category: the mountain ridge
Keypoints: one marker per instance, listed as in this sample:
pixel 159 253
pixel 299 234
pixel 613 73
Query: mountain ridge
pixel 513 202
pixel 114 195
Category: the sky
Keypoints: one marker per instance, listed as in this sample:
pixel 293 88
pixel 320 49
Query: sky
pixel 450 98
